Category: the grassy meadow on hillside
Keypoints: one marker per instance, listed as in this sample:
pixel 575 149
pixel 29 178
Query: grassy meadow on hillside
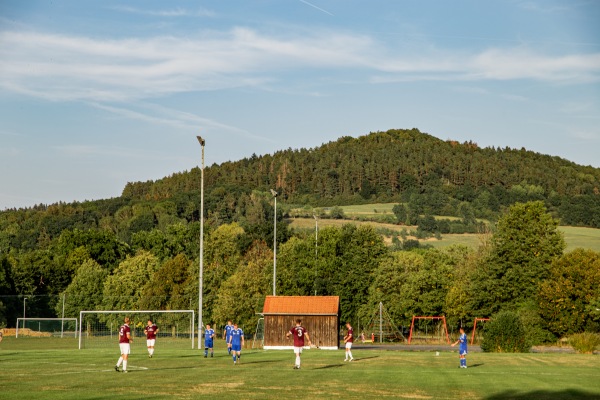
pixel 575 237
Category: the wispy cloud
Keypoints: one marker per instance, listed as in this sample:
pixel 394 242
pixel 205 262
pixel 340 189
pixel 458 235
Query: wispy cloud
pixel 314 6
pixel 60 67
pixel 155 114
pixel 175 12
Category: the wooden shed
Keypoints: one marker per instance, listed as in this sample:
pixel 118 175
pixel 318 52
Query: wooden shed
pixel 319 315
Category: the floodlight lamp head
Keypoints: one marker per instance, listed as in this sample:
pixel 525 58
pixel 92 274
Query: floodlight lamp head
pixel 274 193
pixel 200 140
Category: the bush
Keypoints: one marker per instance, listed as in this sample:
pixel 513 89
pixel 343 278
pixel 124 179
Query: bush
pixel 585 342
pixel 505 334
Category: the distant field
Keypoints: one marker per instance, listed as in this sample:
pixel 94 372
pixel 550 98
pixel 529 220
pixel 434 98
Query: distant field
pixel 54 369
pixel 587 238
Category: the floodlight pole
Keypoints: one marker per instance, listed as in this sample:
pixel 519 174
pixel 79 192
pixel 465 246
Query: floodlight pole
pixel 316 247
pixel 274 193
pixel 24 316
pixel 200 283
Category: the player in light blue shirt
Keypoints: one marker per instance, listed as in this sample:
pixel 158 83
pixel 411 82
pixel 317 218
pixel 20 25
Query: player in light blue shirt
pixel 227 335
pixel 209 335
pixel 462 348
pixel 237 342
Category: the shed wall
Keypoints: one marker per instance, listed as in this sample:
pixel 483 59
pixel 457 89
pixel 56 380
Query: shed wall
pixel 322 329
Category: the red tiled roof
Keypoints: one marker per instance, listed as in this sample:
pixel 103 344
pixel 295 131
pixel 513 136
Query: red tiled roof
pixel 302 305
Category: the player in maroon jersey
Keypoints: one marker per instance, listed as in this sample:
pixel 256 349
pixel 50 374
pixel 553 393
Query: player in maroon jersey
pixel 124 340
pixel 348 339
pixel 299 333
pixel 150 330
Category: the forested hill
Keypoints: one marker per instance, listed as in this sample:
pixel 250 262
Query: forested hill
pixel 397 165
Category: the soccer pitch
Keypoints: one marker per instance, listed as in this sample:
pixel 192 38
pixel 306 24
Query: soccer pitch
pixel 40 368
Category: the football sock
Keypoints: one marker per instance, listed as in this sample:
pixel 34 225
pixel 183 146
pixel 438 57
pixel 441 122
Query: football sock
pixel 120 361
pixel 234 358
pixel 205 352
pixel 124 365
pixel 298 360
pixel 350 353
pixel 152 351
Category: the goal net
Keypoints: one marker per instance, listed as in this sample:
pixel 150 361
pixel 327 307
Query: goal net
pixel 100 329
pixel 47 327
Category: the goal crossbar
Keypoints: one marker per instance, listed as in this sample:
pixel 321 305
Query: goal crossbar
pixel 82 313
pixel 62 320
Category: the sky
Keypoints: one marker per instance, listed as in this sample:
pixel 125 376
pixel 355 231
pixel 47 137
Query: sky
pixel 95 94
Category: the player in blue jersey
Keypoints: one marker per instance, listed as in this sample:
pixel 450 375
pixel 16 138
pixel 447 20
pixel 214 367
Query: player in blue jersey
pixel 462 348
pixel 227 335
pixel 237 342
pixel 209 335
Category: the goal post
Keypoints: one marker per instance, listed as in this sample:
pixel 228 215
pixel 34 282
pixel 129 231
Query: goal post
pixel 47 327
pixel 100 328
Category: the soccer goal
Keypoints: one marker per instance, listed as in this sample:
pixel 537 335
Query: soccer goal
pixel 100 329
pixel 475 327
pixel 427 330
pixel 47 327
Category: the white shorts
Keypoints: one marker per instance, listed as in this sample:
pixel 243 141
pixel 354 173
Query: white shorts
pixel 348 345
pixel 150 342
pixel 125 348
pixel 297 350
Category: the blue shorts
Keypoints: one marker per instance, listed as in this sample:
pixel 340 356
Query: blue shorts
pixel 462 352
pixel 236 346
pixel 208 343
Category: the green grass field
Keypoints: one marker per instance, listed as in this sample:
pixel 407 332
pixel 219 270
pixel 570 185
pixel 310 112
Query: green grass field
pixel 34 368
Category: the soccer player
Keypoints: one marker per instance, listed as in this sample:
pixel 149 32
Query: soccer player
pixel 236 342
pixel 150 330
pixel 209 335
pixel 227 335
pixel 462 348
pixel 299 333
pixel 124 340
pixel 348 339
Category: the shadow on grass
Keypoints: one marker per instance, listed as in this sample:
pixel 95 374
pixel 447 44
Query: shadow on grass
pixel 568 394
pixel 260 362
pixel 365 358
pixel 330 366
pixel 475 365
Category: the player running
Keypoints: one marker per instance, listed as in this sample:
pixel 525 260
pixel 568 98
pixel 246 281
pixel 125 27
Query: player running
pixel 227 335
pixel 150 330
pixel 299 332
pixel 124 340
pixel 348 339
pixel 462 348
pixel 209 335
pixel 236 342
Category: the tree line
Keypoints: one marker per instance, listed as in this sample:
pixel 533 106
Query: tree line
pixel 519 266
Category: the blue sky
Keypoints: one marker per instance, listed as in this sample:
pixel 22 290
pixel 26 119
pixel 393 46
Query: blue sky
pixel 95 94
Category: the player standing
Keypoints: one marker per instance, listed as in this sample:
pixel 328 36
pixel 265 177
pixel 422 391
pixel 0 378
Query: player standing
pixel 462 348
pixel 348 339
pixel 236 342
pixel 150 330
pixel 227 335
pixel 209 335
pixel 124 340
pixel 299 332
